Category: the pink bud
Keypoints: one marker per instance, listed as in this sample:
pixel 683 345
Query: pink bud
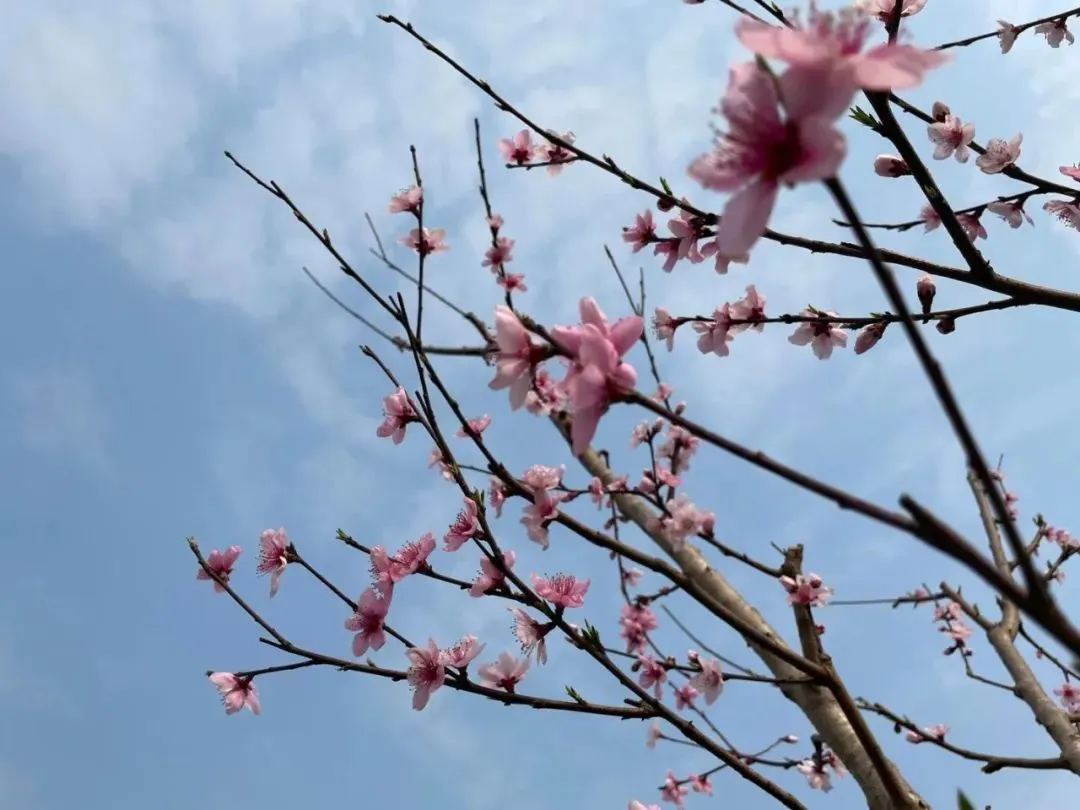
pixel 890 166
pixel 946 326
pixel 869 336
pixel 926 291
pixel 790 738
pixel 940 111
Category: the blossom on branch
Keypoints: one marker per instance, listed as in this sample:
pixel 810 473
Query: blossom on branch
pixel 236 692
pixel 221 563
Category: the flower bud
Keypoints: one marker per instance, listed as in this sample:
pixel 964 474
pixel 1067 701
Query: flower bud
pixel 890 166
pixel 869 336
pixel 926 290
pixel 946 326
pixel 940 111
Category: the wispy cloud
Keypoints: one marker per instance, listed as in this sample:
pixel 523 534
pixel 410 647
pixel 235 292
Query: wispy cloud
pixel 116 127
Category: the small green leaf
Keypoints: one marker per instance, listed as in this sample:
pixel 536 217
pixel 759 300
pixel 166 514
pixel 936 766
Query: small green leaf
pixel 963 802
pixel 861 116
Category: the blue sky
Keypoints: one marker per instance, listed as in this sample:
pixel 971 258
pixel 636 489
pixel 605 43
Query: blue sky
pixel 170 372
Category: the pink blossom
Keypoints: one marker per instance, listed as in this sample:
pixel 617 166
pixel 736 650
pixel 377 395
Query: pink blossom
pixel 562 590
pixel 939 111
pixel 1070 697
pixel 505 674
pixel 891 166
pixel 367 622
pixel 664 327
pixel 537 515
pixel 477 426
pixel 539 476
pixel 935 732
pixel 827 63
pixel 685 696
pixel 1000 154
pixel 652 675
pixel 1010 211
pixel 530 635
pixel 426 672
pixel 464 528
pixel 710 681
pixel 499 254
pixel 555 154
pixel 490 575
pixel 515 356
pixel 869 336
pixel 221 563
pixel 236 692
pixel 1055 32
pixel 1066 212
pixel 642 232
pixel 426 241
pixel 750 309
pixel 463 653
pixel 273 556
pixel 816 775
pixel 682 521
pixel 597 373
pixel 407 200
pixel 631 577
pixel 435 459
pixel 653 735
pixel 950 137
pixel 883 9
pixel 387 571
pixel 519 149
pixel 545 396
pixel 808 590
pixel 398 412
pixel 512 282
pixel 821 334
pixel 971 224
pixel 761 151
pixel 1006 34
pixel 497 493
pixel 700 783
pixel 672 791
pixel 635 804
pixel 930 219
pixel 635 623
pixel 715 334
pixel 1072 172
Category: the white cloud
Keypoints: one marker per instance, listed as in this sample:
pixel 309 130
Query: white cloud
pixel 62 413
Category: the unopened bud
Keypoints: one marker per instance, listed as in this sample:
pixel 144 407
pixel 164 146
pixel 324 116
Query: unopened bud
pixel 869 336
pixel 665 204
pixel 790 738
pixel 940 111
pixel 890 166
pixel 926 290
pixel 946 326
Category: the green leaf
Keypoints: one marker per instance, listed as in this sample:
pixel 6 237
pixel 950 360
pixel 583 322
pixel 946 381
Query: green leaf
pixel 963 802
pixel 861 116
